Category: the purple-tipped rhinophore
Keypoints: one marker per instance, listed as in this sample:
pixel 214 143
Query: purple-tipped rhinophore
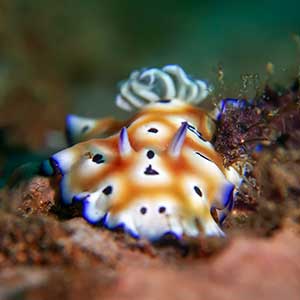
pixel 178 140
pixel 124 143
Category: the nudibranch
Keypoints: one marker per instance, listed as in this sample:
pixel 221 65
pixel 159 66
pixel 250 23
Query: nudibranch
pixel 156 173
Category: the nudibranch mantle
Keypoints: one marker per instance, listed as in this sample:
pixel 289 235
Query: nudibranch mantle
pixel 158 172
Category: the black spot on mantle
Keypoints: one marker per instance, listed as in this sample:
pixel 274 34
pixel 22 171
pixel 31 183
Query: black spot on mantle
pixel 198 191
pixel 108 190
pixel 143 210
pixel 150 154
pixel 162 209
pixel 85 129
pixel 153 130
pixel 150 171
pixel 98 158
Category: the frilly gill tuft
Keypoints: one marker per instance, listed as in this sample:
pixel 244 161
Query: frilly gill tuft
pixel 153 84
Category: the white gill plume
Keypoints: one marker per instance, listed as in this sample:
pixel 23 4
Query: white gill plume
pixel 153 84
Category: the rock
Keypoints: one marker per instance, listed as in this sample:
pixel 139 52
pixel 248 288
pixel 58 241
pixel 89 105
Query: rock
pixel 250 268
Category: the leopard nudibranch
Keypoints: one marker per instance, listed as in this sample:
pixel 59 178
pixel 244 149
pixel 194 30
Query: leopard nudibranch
pixel 156 173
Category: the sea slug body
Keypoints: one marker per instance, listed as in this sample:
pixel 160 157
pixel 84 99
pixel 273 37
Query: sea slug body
pixel 156 173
